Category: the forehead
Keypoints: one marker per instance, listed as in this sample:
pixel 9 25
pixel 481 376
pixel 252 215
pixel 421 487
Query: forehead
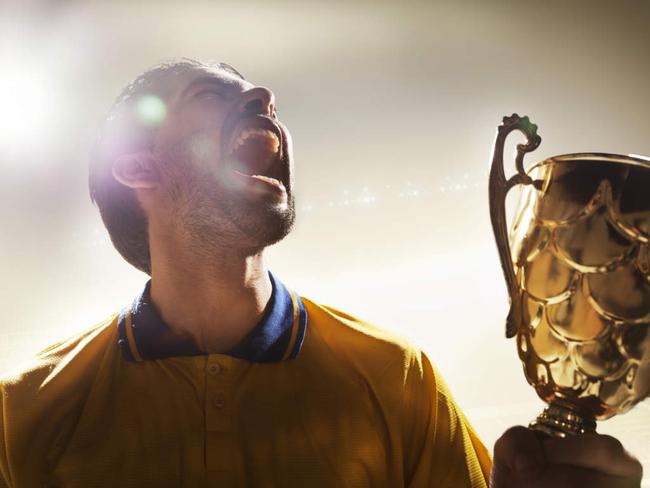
pixel 226 81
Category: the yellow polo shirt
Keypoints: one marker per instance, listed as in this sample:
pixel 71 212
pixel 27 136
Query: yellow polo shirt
pixel 311 398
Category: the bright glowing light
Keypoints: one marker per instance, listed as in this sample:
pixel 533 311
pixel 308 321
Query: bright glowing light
pixel 26 108
pixel 151 110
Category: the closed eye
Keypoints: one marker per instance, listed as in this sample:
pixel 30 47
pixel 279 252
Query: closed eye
pixel 210 93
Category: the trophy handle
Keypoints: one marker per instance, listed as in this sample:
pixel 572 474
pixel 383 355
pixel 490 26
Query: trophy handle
pixel 498 189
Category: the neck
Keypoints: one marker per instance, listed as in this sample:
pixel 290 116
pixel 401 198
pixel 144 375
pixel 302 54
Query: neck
pixel 213 299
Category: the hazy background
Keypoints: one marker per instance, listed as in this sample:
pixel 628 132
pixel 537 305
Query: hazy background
pixel 393 110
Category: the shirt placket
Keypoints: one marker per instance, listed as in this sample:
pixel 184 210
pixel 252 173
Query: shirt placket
pixel 218 420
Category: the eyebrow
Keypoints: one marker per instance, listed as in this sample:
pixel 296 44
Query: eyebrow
pixel 226 88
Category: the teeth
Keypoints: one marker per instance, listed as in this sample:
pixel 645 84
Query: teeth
pixel 268 179
pixel 262 133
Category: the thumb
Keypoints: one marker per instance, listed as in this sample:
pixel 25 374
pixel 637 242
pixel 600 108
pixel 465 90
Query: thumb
pixel 518 455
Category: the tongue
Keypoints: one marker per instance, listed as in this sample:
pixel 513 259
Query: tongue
pixel 255 156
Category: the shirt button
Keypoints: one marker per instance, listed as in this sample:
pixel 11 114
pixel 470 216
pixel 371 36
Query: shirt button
pixel 218 401
pixel 214 368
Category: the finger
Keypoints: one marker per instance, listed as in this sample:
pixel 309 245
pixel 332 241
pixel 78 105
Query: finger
pixel 593 451
pixel 566 476
pixel 517 450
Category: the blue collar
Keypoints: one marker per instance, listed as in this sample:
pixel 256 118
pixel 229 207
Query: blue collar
pixel 142 335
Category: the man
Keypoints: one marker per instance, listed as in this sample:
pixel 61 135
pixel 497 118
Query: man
pixel 218 374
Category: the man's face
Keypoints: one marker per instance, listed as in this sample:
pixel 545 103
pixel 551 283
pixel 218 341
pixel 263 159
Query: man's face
pixel 225 161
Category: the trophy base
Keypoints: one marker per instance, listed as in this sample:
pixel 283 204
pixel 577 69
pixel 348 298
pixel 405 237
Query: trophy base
pixel 559 421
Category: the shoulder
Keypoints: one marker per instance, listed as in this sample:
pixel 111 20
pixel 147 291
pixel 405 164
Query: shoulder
pixel 42 397
pixel 47 363
pixel 57 378
pixel 373 349
pixel 338 325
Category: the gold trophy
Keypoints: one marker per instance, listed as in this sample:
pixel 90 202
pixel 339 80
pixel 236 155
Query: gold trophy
pixel 577 267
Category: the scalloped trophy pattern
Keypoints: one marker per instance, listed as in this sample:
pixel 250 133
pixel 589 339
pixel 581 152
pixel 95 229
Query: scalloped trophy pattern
pixel 582 264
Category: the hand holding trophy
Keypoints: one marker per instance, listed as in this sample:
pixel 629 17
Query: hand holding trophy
pixel 577 268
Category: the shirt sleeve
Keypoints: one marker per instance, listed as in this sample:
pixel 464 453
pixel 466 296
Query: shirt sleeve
pixel 442 449
pixel 4 465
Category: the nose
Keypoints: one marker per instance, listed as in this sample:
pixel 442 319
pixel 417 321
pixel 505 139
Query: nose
pixel 258 100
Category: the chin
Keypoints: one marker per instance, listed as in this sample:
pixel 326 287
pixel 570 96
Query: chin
pixel 263 225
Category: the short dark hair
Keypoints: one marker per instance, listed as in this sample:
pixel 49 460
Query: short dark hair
pixel 125 132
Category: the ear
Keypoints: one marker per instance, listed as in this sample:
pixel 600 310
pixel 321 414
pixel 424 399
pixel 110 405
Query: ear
pixel 136 170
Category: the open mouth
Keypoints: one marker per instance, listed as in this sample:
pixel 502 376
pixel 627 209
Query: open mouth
pixel 254 154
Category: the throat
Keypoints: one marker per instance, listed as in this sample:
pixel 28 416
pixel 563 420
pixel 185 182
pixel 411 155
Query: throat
pixel 214 306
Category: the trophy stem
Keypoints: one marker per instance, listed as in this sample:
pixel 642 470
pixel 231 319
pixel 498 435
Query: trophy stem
pixel 559 421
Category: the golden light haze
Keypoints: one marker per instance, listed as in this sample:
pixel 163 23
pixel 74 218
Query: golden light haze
pixel 392 108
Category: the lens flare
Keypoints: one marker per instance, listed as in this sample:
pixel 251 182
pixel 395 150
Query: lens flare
pixel 151 110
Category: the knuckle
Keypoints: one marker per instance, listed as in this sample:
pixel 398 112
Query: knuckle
pixel 612 445
pixel 510 437
pixel 613 451
pixel 637 471
pixel 606 448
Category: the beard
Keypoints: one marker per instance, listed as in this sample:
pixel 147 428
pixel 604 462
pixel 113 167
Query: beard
pixel 261 223
pixel 213 214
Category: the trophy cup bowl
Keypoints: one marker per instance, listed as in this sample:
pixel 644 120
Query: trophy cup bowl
pixel 577 268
